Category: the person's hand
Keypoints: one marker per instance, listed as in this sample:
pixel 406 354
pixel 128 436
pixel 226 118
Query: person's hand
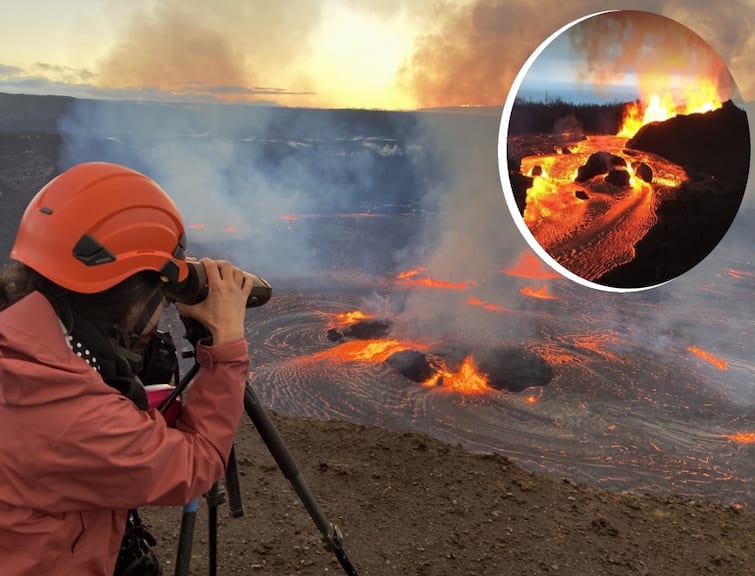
pixel 222 312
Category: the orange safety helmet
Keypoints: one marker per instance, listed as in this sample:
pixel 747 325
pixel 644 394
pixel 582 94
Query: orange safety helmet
pixel 98 223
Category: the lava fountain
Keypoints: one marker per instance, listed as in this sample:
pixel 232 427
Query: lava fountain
pixel 699 97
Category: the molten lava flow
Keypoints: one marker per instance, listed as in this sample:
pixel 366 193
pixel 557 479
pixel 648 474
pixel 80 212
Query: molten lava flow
pixel 540 293
pixel 411 273
pixel 540 197
pixel 197 226
pixel 561 349
pixel 348 318
pixel 742 437
pixel 529 266
pixel 551 198
pixel 289 217
pixel 445 285
pixel 487 305
pixel 703 97
pixel 740 274
pixel 409 277
pixel 466 380
pixel 365 350
pixel 229 229
pixel 597 342
pixel 708 357
pixel 589 220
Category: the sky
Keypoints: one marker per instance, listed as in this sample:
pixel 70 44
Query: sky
pixel 625 55
pixel 384 54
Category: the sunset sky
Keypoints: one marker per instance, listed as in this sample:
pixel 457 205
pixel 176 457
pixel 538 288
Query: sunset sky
pixel 386 54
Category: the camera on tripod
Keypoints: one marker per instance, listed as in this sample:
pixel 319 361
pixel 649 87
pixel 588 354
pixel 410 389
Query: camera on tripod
pixel 194 288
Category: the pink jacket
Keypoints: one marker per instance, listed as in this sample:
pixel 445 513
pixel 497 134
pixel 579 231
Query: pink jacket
pixel 75 454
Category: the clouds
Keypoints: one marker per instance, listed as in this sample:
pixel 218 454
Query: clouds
pixel 9 71
pixel 362 54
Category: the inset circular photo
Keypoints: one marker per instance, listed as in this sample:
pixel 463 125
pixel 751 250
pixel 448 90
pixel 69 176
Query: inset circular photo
pixel 624 150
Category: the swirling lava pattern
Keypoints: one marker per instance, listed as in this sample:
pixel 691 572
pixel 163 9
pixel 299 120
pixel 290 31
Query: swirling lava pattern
pixel 630 407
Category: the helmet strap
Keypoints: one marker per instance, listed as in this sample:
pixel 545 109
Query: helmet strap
pixel 147 312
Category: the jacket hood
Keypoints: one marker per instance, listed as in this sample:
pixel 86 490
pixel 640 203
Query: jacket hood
pixel 36 364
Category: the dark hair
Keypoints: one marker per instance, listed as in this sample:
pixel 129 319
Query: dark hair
pixel 108 308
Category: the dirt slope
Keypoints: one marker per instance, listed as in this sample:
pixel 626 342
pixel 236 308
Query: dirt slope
pixel 409 504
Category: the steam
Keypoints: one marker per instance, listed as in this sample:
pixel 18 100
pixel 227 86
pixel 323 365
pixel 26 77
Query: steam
pixel 183 54
pixel 252 182
pixel 652 47
pixel 227 48
pixel 474 237
pixel 473 54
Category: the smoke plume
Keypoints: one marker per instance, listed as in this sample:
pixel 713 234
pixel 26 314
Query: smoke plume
pixel 472 55
pixel 224 48
pixel 650 45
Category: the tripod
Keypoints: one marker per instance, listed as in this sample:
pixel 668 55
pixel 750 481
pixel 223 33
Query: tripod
pixel 330 534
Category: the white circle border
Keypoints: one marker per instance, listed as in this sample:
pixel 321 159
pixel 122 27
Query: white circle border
pixel 503 169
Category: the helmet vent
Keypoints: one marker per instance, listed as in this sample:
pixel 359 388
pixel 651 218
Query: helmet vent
pixel 46 211
pixel 91 252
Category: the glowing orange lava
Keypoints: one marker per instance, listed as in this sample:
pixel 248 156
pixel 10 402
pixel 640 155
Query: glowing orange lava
pixel 197 226
pixel 540 293
pixel 445 285
pixel 702 98
pixel 742 437
pixel 530 266
pixel 229 229
pixel 487 305
pixel 708 357
pixel 411 273
pixel 289 217
pixel 737 274
pixel 365 350
pixel 466 380
pixel 347 318
pixel 409 277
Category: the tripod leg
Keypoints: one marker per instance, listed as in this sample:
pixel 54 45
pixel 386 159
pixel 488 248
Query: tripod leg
pixel 186 537
pixel 331 535
pixel 233 486
pixel 214 498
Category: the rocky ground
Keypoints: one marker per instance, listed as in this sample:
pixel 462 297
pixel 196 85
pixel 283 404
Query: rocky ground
pixel 409 504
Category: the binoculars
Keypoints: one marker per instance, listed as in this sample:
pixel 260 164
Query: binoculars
pixel 194 288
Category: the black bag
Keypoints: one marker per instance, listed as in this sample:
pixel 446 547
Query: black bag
pixel 136 557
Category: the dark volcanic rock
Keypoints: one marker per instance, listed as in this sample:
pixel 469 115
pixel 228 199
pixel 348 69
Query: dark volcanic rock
pixel 537 170
pixel 27 162
pixel 598 163
pixel 335 335
pixel 506 367
pixel 519 185
pixel 412 364
pixel 714 149
pixel 618 177
pixel 643 171
pixel 582 195
pixel 717 142
pixel 368 329
pixel 512 368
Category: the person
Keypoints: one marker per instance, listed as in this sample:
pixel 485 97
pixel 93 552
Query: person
pixel 96 252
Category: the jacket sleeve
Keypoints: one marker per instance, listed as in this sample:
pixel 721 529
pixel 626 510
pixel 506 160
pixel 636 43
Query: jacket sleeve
pixel 115 456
